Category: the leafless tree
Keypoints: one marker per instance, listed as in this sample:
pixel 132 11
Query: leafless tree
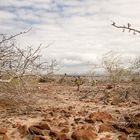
pixel 134 69
pixel 137 64
pixel 17 66
pixel 52 67
pixel 113 65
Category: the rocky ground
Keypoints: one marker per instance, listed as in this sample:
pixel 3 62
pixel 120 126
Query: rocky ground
pixel 60 112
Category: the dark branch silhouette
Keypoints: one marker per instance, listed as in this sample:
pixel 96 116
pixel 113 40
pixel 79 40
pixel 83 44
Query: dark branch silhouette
pixel 128 27
pixel 13 36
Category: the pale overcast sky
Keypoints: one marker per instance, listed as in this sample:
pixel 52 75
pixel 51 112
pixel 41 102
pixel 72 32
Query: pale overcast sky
pixel 80 30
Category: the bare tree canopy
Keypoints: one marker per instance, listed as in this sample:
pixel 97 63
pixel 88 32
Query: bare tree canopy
pixel 16 62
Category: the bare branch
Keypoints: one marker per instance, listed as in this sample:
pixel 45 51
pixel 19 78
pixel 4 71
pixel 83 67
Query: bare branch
pixel 13 36
pixel 128 27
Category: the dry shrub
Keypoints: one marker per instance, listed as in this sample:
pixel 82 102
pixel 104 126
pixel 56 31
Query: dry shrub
pixel 19 70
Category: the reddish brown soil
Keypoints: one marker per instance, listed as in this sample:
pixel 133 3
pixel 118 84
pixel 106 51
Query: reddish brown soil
pixel 60 112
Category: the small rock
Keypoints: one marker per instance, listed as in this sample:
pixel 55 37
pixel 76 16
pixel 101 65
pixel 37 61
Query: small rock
pixel 101 116
pixel 63 136
pixel 138 137
pixel 39 138
pixel 89 120
pixel 59 135
pixel 5 137
pixel 105 138
pixel 55 133
pixel 63 124
pixel 22 130
pixel 65 130
pixel 121 137
pixel 3 130
pixel 106 128
pixel 109 86
pixel 88 127
pixel 137 118
pixel 129 130
pixel 35 130
pixel 43 125
pixel 84 135
pixel 77 119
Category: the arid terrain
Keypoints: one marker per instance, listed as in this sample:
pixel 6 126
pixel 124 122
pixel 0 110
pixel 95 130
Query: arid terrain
pixel 60 112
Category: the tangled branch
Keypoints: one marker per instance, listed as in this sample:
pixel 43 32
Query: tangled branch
pixel 128 27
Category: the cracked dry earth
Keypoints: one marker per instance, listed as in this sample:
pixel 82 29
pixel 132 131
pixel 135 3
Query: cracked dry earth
pixel 63 113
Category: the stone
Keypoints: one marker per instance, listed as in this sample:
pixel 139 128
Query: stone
pixel 77 119
pixel 43 125
pixel 3 130
pixel 65 130
pixel 22 130
pixel 121 137
pixel 101 116
pixel 109 86
pixel 137 118
pixel 84 135
pixel 63 136
pixel 5 137
pixel 105 138
pixel 89 120
pixel 59 135
pixel 35 130
pixel 138 137
pixel 55 133
pixel 115 101
pixel 129 130
pixel 39 138
pixel 63 124
pixel 88 127
pixel 106 128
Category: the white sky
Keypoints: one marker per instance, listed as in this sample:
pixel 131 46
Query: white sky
pixel 80 30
